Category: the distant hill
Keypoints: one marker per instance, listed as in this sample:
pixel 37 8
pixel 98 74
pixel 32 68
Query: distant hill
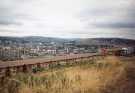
pixel 87 41
pixel 33 39
pixel 108 41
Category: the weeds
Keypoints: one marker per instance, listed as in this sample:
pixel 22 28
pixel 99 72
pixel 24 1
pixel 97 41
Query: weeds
pixel 81 77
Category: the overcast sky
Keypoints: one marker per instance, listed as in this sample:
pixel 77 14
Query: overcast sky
pixel 68 18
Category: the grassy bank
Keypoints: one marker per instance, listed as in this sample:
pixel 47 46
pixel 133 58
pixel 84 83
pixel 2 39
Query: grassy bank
pixel 102 76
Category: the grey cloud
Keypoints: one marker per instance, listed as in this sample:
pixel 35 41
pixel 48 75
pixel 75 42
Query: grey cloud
pixel 6 17
pixel 131 13
pixel 8 20
pixel 5 22
pixel 96 12
pixel 8 13
pixel 122 17
pixel 11 14
pixel 115 25
pixel 98 17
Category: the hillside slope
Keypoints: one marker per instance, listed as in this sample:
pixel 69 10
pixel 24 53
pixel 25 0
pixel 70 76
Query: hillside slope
pixel 108 75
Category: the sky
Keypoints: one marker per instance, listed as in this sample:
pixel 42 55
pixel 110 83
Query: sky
pixel 68 18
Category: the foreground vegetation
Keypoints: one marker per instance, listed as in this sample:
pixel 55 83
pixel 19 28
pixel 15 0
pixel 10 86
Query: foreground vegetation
pixel 108 75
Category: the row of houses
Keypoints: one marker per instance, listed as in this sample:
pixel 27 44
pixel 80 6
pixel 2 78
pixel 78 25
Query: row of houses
pixel 18 53
pixel 126 51
pixel 10 54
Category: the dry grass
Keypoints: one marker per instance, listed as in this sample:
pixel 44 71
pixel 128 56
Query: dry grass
pixel 99 77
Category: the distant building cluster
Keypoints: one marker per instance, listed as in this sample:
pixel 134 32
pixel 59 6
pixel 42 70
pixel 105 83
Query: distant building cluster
pixel 10 50
pixel 30 50
pixel 126 51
